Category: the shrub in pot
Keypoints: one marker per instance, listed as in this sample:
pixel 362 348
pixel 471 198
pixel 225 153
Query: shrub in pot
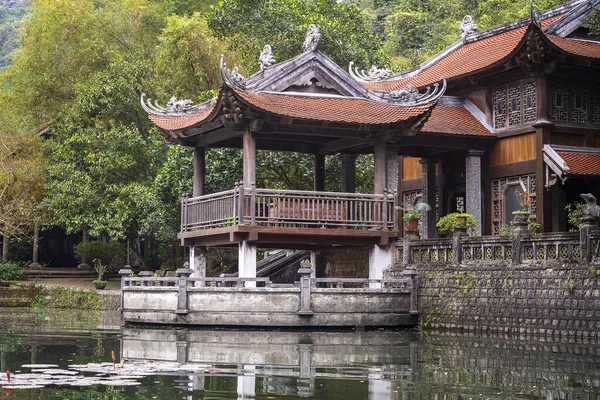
pixel 447 223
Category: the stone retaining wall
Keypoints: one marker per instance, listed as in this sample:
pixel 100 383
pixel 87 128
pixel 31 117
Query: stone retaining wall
pixel 554 300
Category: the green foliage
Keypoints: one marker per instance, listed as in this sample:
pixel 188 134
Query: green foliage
pixel 250 24
pixel 12 271
pixel 532 226
pixel 466 282
pixel 39 301
pixel 594 271
pixel 414 211
pixel 74 299
pixel 446 224
pixel 569 284
pixel 593 21
pixel 575 214
pixel 111 253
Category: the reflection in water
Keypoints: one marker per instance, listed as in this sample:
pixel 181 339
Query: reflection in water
pixel 293 365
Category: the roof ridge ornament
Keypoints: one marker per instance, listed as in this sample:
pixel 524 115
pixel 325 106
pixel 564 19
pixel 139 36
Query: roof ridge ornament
pixel 232 78
pixel 312 40
pixel 410 95
pixel 374 73
pixel 173 106
pixel 467 26
pixel 534 16
pixel 266 58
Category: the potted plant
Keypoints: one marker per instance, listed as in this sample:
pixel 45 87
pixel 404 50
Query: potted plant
pixel 100 268
pixel 446 224
pixel 413 213
pixel 521 217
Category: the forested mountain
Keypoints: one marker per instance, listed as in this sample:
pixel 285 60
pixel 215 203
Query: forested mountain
pixel 11 13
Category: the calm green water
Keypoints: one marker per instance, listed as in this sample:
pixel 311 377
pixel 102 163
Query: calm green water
pixel 223 364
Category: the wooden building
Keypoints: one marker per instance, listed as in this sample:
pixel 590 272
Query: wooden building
pixel 514 107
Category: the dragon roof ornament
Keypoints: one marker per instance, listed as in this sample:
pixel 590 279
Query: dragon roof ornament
pixel 534 16
pixel 173 107
pixel 313 38
pixel 374 73
pixel 266 58
pixel 467 26
pixel 410 95
pixel 232 78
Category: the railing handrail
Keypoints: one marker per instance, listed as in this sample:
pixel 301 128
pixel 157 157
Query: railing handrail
pixel 337 195
pixel 209 196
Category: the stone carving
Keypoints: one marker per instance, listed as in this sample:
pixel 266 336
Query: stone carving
pixel 266 58
pixel 374 73
pixel 173 106
pixel 593 209
pixel 467 26
pixel 233 78
pixel 411 96
pixel 313 38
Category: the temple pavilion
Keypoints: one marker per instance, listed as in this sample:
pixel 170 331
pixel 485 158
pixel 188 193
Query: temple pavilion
pixel 514 107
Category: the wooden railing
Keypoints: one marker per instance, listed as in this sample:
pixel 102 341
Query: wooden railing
pixel 288 208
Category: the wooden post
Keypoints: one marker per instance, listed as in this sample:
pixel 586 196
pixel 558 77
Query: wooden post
pixel 249 143
pixel 199 171
pixel 36 247
pixel 319 174
pixel 348 173
pixel 379 182
pixel 84 239
pixel 543 129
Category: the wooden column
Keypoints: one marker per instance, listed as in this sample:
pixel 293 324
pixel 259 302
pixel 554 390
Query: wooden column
pixel 379 182
pixel 543 130
pixel 84 239
pixel 36 247
pixel 199 171
pixel 249 143
pixel 428 196
pixel 348 173
pixel 319 175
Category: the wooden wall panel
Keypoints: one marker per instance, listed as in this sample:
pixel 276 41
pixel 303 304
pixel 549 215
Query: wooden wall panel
pixel 567 139
pixel 412 169
pixel 597 141
pixel 513 149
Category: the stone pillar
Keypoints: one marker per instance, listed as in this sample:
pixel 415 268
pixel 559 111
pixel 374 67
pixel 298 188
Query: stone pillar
pixel 319 174
pixel 588 226
pixel 182 297
pixel 249 155
pixel 428 196
pixel 459 232
pixel 36 247
pixel 380 166
pixel 199 171
pixel 380 258
pixel 474 185
pixel 348 173
pixel 246 384
pixel 198 263
pixel 305 307
pixel 392 171
pixel 247 261
pixel 380 390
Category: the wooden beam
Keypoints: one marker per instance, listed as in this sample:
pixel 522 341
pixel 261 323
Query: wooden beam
pixel 342 144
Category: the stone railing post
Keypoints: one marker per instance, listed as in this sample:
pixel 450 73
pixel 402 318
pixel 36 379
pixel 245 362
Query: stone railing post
pixel 412 275
pixel 587 227
pixel 409 235
pixel 182 299
pixel 182 350
pixel 145 274
pixel 517 247
pixel 305 292
pixel 459 232
pixel 124 273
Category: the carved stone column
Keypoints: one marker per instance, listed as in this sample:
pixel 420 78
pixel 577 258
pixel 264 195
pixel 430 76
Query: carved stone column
pixel 428 196
pixel 392 171
pixel 380 172
pixel 348 173
pixel 474 187
pixel 198 263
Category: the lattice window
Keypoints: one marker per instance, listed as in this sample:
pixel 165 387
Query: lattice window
pixel 500 108
pixel 595 105
pixel 514 102
pixel 529 102
pixel 558 101
pixel 499 193
pixel 579 97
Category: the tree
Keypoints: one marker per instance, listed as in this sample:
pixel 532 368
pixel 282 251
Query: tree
pixel 248 25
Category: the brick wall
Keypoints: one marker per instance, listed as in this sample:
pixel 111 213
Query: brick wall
pixel 559 300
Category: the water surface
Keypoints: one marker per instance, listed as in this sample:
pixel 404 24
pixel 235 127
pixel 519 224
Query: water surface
pixel 230 364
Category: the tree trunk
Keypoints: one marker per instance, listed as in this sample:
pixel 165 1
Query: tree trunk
pixel 5 240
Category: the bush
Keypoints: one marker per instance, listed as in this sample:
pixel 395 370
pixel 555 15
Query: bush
pixel 446 224
pixel 111 254
pixel 575 214
pixel 12 271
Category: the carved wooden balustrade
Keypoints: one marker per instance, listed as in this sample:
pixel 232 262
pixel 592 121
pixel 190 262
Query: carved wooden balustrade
pixel 288 208
pixel 546 247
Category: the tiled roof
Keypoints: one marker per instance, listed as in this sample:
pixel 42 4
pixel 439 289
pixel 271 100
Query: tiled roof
pixel 577 47
pixel 465 60
pixel 581 163
pixel 174 123
pixel 331 109
pixel 454 120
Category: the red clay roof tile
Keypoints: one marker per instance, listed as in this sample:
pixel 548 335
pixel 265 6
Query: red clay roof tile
pixel 343 110
pixel 581 163
pixel 577 47
pixel 175 123
pixel 454 120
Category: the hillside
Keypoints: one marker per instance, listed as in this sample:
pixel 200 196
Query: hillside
pixel 11 13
